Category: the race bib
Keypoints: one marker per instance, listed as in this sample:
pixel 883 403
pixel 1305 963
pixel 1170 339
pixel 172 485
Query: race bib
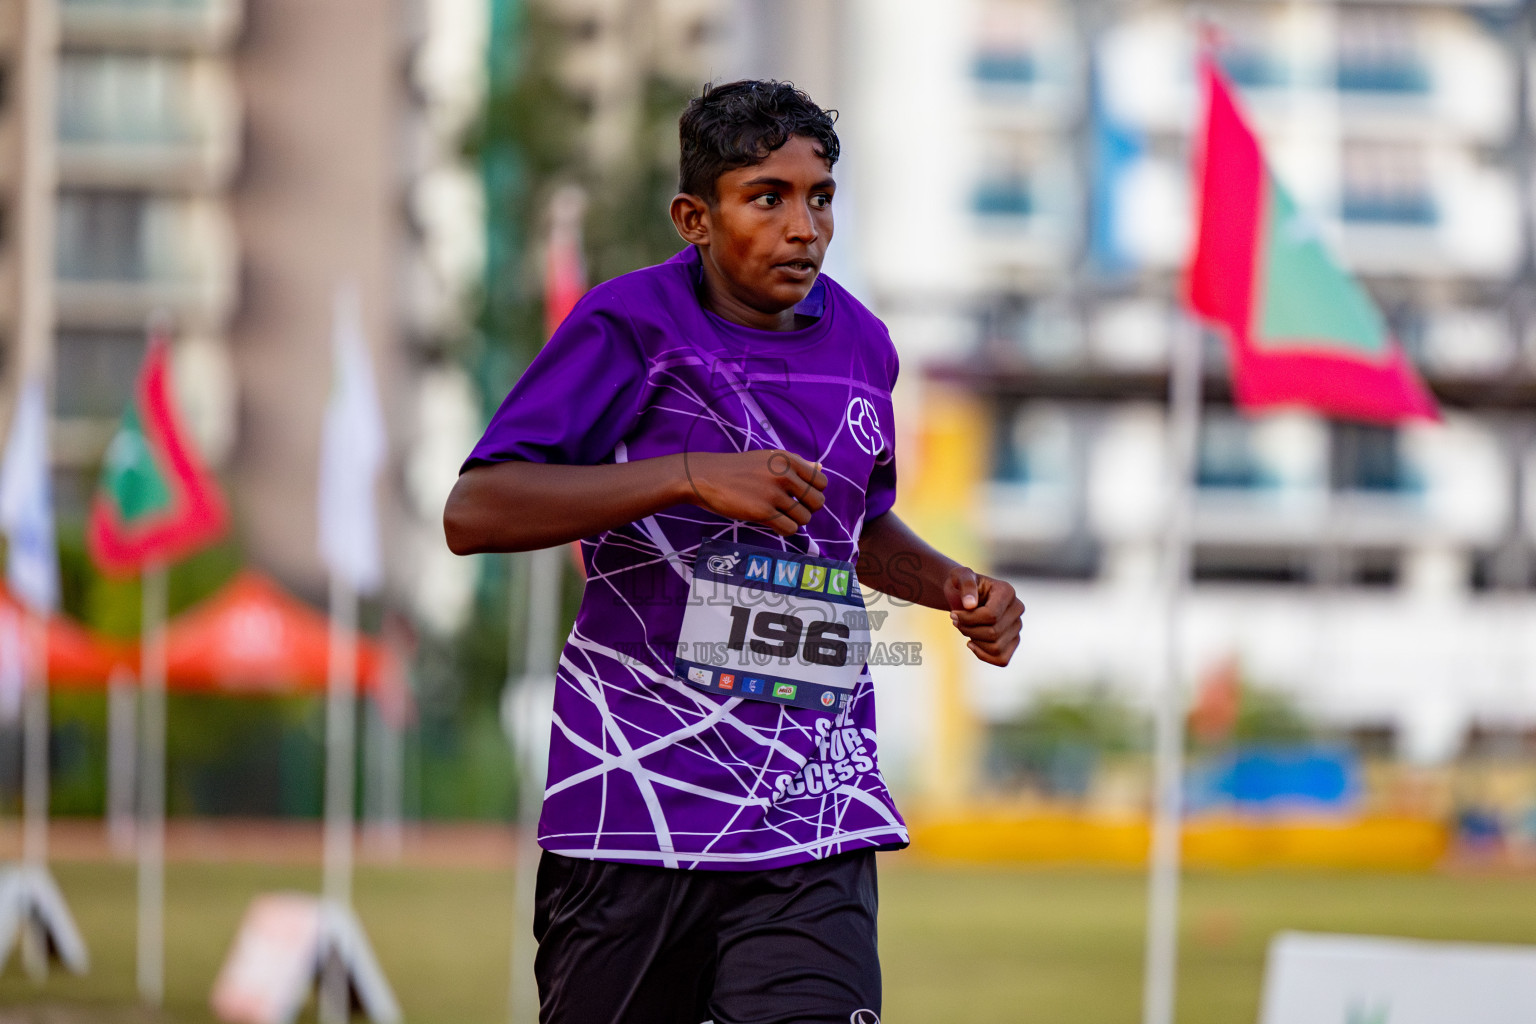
pixel 773 625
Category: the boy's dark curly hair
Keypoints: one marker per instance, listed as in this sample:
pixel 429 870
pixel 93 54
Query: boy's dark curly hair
pixel 738 124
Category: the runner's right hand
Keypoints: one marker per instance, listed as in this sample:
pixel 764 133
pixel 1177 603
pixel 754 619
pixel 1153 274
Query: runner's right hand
pixel 770 486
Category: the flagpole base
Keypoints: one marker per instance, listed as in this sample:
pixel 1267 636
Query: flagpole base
pixel 34 916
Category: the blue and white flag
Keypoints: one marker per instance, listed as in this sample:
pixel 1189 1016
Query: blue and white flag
pixel 352 453
pixel 26 505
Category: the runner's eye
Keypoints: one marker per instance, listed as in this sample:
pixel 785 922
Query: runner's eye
pixel 821 200
pixel 767 200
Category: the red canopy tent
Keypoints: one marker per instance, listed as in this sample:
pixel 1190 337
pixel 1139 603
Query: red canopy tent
pixel 76 656
pixel 250 638
pixel 253 638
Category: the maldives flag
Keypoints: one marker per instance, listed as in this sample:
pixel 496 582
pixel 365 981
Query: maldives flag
pixel 156 501
pixel 1301 331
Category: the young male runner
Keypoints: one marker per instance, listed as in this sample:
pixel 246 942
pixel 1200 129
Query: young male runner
pixel 717 432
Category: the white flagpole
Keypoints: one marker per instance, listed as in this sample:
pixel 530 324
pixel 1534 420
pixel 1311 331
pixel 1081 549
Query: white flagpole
pixel 542 605
pixel 1162 946
pixel 340 741
pixel 38 183
pixel 353 448
pixel 34 841
pixel 122 759
pixel 151 832
pixel 383 751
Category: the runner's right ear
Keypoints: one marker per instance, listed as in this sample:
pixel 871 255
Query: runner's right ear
pixel 690 216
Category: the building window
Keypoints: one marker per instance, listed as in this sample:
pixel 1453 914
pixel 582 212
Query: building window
pixel 1387 184
pixel 115 97
pixel 101 235
pixel 1377 53
pixel 1010 35
pixel 1002 67
pixel 1227 458
pixel 1370 458
pixel 1004 197
pixel 1035 446
pixel 1251 66
pixel 95 371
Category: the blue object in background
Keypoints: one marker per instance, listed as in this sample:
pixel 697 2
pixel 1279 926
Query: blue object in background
pixel 1117 148
pixel 1276 779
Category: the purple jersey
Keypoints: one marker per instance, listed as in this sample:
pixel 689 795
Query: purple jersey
pixel 644 768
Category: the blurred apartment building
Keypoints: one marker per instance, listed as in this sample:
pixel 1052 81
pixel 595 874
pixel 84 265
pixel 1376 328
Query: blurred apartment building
pixel 231 164
pixel 1024 238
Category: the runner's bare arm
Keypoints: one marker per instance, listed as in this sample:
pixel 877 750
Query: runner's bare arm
pixel 523 506
pixel 896 561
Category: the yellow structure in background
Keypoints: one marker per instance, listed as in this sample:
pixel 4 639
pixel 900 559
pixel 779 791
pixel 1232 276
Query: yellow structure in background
pixel 1218 841
pixel 939 497
pixel 942 488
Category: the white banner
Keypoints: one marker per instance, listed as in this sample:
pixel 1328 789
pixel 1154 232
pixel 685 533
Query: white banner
pixel 1346 979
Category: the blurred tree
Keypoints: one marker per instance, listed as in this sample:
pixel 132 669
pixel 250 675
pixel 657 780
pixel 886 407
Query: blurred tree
pixel 540 130
pixel 1269 716
pixel 1229 708
pixel 1055 745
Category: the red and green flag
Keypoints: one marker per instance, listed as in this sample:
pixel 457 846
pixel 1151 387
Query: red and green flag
pixel 156 501
pixel 1301 331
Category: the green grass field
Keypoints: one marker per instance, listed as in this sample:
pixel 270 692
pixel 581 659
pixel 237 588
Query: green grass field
pixel 1047 946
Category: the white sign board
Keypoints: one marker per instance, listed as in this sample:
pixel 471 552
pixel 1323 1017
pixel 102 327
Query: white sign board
pixel 268 974
pixel 1346 979
pixel 283 945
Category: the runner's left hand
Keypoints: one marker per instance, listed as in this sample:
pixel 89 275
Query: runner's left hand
pixel 986 611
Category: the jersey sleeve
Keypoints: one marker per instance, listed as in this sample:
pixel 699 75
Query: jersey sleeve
pixel 578 398
pixel 881 495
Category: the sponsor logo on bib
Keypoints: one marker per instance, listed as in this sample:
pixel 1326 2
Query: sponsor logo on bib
pixel 784 690
pixel 828 699
pixel 702 676
pixel 786 574
pixel 722 565
pixel 837 582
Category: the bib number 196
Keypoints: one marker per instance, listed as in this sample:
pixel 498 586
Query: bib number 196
pixel 773 625
pixel 780 635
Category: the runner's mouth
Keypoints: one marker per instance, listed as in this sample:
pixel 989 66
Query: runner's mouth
pixel 802 266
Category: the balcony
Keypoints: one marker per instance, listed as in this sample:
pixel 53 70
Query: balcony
pixel 1397 74
pixel 146 121
pixel 124 255
pixel 185 25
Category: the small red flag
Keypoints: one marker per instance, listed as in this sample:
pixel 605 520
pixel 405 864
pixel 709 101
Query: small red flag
pixel 565 272
pixel 1218 702
pixel 1301 331
pixel 156 501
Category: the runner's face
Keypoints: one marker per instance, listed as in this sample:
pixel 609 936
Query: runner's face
pixel 769 229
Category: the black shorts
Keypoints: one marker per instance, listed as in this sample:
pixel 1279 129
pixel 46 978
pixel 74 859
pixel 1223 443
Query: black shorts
pixel 626 944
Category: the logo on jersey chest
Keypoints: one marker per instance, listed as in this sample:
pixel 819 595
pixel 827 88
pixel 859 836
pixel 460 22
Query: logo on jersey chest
pixel 864 425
